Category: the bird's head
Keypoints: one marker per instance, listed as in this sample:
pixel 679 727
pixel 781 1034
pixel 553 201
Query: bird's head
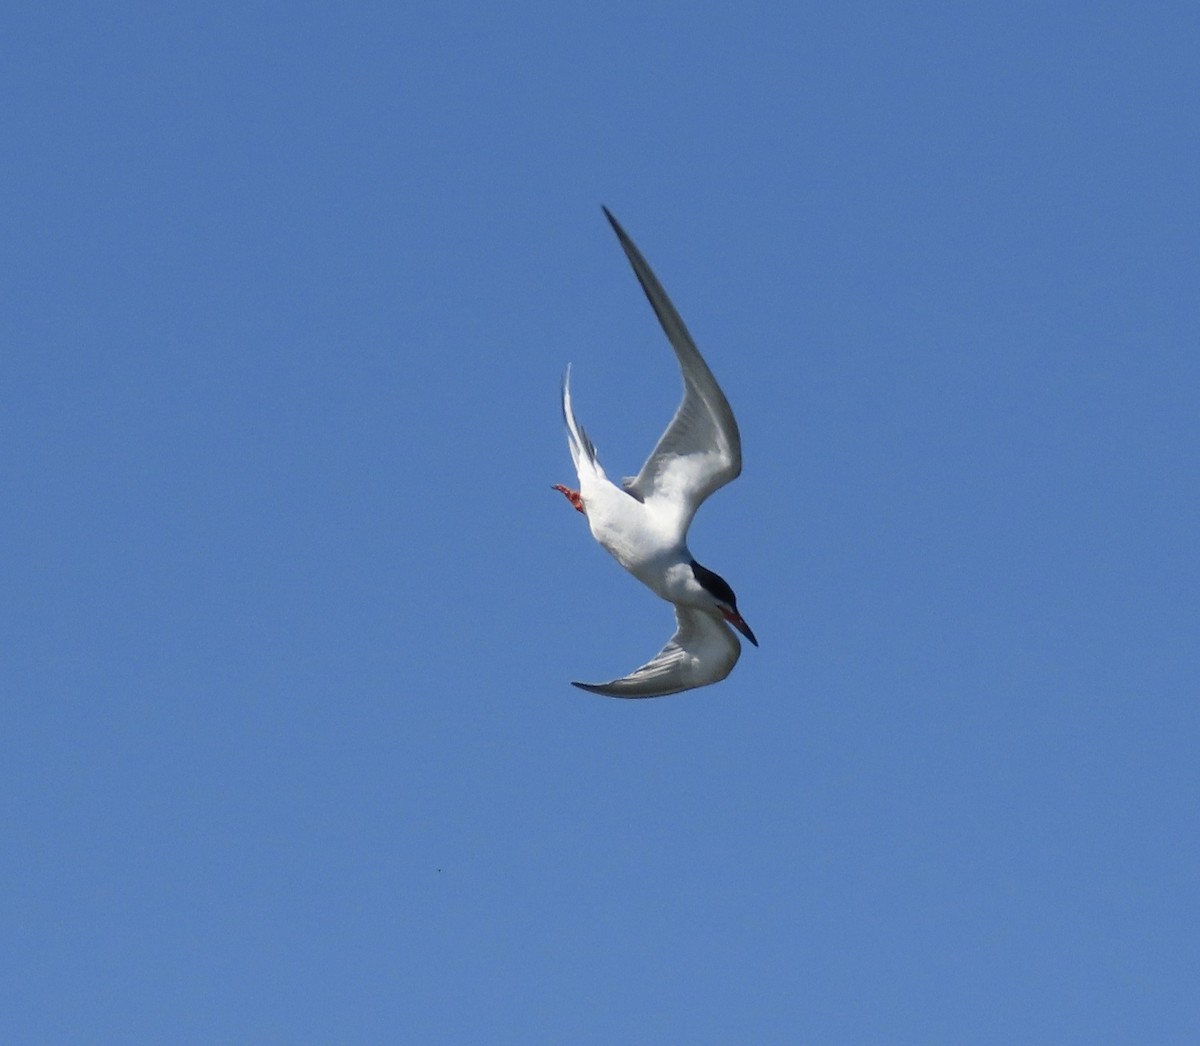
pixel 723 600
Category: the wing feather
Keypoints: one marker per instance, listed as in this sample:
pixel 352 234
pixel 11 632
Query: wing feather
pixel 701 450
pixel 703 650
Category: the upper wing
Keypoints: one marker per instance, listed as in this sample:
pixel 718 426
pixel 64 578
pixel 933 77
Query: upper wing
pixel 701 449
pixel 703 650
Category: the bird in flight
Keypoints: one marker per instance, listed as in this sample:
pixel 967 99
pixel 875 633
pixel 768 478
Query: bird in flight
pixel 644 522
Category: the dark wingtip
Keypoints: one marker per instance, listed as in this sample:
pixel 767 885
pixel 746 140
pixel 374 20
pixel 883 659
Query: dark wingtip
pixel 592 688
pixel 621 235
pixel 602 690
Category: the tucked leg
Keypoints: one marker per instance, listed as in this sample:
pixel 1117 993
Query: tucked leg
pixel 572 496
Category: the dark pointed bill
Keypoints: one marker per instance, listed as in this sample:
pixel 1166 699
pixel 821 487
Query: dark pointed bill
pixel 736 619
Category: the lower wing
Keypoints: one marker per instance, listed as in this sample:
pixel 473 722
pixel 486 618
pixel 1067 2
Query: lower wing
pixel 703 650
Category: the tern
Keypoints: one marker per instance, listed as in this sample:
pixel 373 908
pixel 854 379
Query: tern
pixel 644 522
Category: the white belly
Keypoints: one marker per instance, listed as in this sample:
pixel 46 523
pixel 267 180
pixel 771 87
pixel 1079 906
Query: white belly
pixel 650 551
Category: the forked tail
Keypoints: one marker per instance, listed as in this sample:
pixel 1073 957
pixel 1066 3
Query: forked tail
pixel 583 453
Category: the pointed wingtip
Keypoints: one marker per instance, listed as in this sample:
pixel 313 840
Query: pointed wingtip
pixel 604 690
pixel 591 688
pixel 616 225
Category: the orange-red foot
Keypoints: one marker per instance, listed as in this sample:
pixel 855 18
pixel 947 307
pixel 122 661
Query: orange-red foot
pixel 572 496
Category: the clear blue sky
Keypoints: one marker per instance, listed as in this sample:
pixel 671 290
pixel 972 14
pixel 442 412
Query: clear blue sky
pixel 290 611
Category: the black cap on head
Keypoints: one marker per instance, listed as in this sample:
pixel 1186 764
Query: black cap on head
pixel 715 585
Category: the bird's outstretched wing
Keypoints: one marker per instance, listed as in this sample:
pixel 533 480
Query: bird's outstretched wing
pixel 703 650
pixel 701 449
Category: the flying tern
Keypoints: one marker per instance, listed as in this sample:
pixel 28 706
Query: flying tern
pixel 644 522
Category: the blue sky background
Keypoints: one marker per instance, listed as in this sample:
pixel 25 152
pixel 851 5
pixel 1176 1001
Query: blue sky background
pixel 289 610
